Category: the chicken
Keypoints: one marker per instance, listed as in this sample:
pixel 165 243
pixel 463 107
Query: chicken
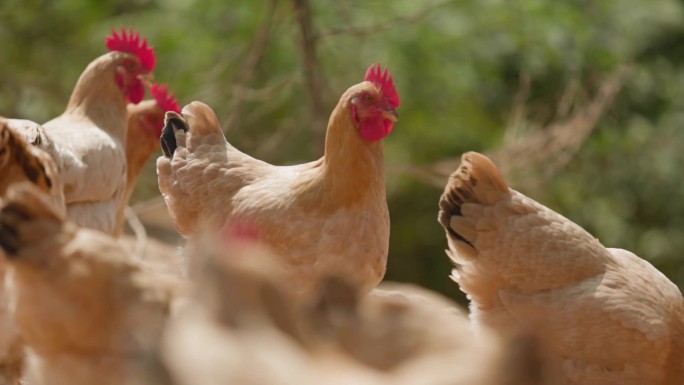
pixel 86 310
pixel 603 315
pixel 145 122
pixel 246 324
pixel 19 162
pixel 326 216
pixel 87 140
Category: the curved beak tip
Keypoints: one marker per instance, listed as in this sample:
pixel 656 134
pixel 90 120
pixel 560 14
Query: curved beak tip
pixel 147 79
pixel 391 114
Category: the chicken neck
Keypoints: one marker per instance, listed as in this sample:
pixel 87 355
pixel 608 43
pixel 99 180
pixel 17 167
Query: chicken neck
pixel 97 97
pixel 140 144
pixel 352 168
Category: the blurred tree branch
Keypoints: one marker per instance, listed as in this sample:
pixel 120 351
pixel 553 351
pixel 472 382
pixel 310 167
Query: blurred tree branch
pixel 383 26
pixel 243 77
pixel 312 74
pixel 534 157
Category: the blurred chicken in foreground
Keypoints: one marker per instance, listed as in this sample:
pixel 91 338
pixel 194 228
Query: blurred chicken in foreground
pixel 246 324
pixel 20 162
pixel 323 217
pixel 87 312
pixel 603 315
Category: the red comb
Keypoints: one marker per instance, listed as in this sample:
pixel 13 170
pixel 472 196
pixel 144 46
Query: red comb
pixel 130 42
pixel 165 101
pixel 383 79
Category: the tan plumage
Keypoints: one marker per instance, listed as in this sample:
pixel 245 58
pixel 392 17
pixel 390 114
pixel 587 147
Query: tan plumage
pixel 325 216
pixel 604 316
pixel 86 310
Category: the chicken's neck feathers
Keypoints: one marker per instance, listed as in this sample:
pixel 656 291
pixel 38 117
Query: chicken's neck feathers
pixel 351 168
pixel 140 144
pixel 97 98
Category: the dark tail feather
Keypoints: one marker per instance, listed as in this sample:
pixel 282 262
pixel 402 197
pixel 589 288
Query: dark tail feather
pixel 173 122
pixel 450 205
pixel 477 180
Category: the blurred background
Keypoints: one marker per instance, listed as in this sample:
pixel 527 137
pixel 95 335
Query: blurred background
pixel 581 103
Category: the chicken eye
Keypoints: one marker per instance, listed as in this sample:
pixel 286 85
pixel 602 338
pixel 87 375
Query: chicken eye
pixel 367 98
pixel 129 65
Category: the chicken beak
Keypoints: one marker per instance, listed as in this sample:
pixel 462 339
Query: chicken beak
pixel 147 79
pixel 390 114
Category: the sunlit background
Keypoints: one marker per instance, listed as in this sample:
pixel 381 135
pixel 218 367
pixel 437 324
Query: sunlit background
pixel 581 103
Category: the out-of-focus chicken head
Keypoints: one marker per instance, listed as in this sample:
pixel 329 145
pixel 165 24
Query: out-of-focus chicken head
pixel 143 129
pixel 374 103
pixel 132 69
pixel 146 119
pixel 151 120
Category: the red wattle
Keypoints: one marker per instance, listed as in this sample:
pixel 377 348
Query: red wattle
pixel 136 92
pixel 374 129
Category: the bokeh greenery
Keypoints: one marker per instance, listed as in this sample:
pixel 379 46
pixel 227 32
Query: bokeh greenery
pixel 458 66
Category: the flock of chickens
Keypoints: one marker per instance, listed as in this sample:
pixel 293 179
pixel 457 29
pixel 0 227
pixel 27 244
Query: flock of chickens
pixel 279 281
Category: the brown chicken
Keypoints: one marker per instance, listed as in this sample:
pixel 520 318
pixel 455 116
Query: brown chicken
pixel 86 142
pixel 85 308
pixel 143 129
pixel 603 315
pixel 21 161
pixel 329 215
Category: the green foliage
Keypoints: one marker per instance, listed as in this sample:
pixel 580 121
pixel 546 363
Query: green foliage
pixel 458 66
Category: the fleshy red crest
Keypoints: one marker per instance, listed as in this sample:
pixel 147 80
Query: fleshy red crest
pixel 383 79
pixel 165 101
pixel 130 42
pixel 136 92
